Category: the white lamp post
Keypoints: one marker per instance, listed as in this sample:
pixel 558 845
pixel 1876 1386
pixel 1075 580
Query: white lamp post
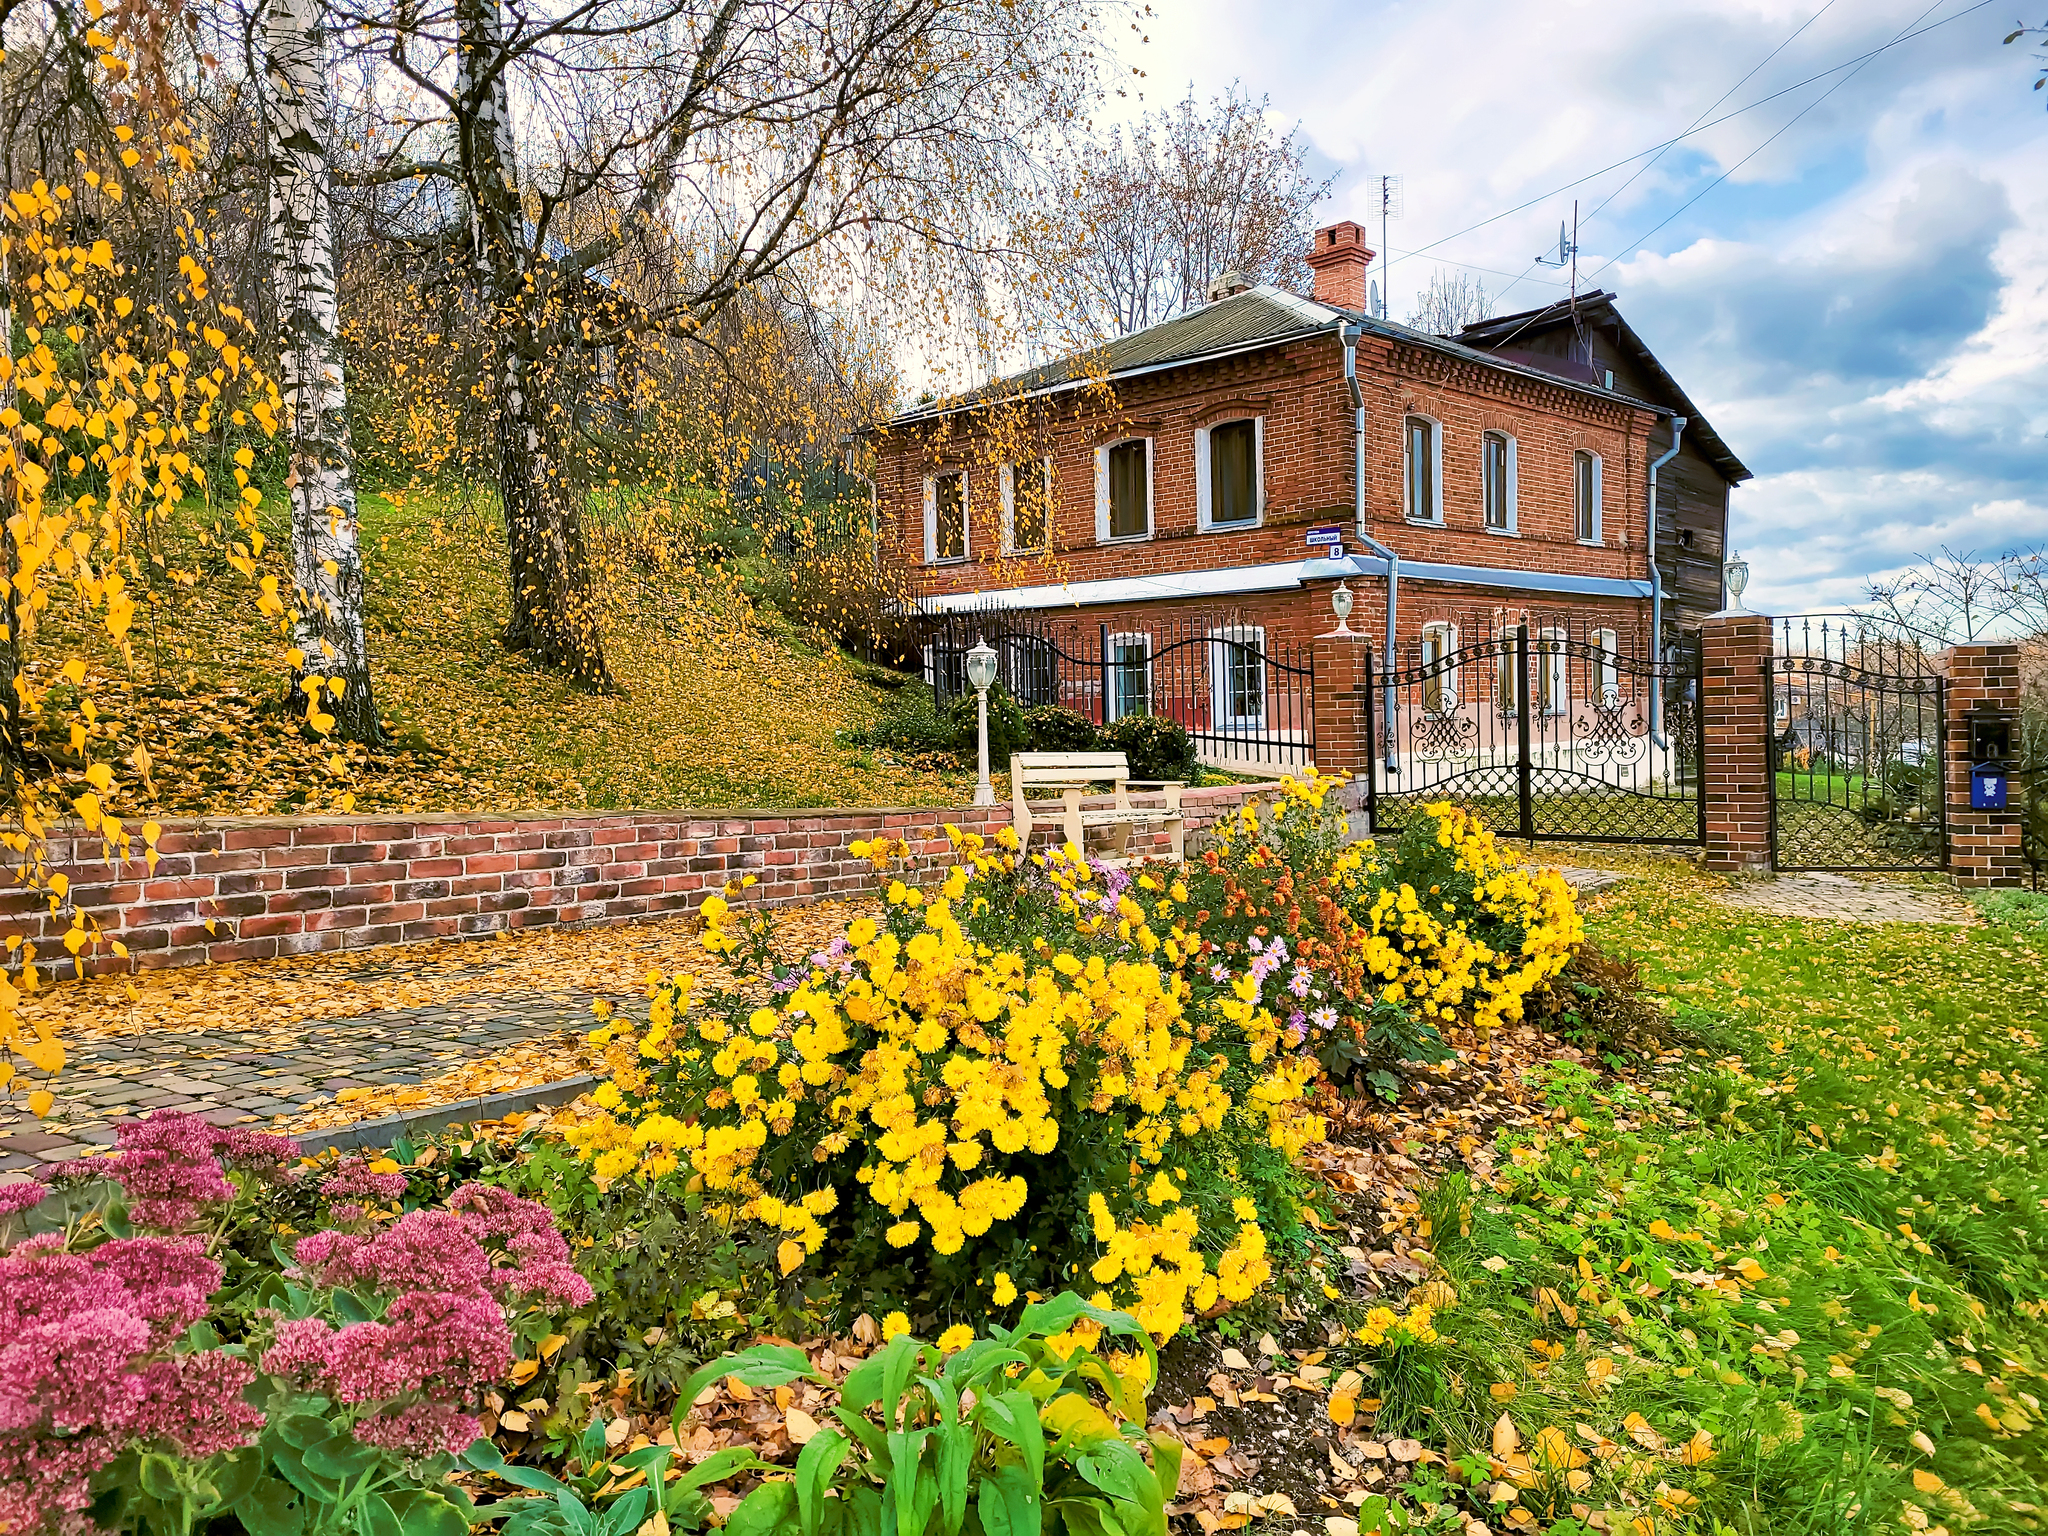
pixel 981 672
pixel 1736 573
pixel 1340 603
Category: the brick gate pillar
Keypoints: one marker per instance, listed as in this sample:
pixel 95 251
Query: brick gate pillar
pixel 1344 736
pixel 1983 846
pixel 1735 714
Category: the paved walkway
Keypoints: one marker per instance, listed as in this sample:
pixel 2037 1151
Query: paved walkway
pixel 1845 899
pixel 246 1076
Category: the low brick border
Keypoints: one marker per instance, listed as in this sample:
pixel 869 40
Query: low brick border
pixel 255 888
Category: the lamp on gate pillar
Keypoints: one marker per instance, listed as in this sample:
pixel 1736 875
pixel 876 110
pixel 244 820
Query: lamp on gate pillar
pixel 1735 572
pixel 981 672
pixel 1340 604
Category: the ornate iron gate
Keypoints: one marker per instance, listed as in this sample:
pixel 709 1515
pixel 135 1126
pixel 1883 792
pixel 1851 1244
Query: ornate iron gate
pixel 1548 737
pixel 1855 750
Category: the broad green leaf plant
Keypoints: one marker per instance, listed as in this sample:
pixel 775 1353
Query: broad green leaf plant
pixel 1033 1429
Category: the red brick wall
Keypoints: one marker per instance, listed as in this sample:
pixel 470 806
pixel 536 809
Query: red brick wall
pixel 1983 846
pixel 1299 391
pixel 1735 714
pixel 250 889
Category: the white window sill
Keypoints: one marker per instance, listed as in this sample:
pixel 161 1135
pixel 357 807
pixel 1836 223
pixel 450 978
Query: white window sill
pixel 1024 554
pixel 1423 522
pixel 948 560
pixel 1592 543
pixel 1244 525
pixel 1502 533
pixel 1125 538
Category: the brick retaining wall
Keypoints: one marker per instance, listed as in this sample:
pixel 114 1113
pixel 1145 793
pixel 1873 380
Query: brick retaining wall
pixel 252 888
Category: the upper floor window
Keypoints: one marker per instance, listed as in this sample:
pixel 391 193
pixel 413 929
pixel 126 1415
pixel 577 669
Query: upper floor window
pixel 1123 490
pixel 1027 506
pixel 1586 496
pixel 1497 481
pixel 945 517
pixel 1423 469
pixel 1229 474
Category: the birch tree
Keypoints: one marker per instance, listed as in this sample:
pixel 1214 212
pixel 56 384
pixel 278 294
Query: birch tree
pixel 330 653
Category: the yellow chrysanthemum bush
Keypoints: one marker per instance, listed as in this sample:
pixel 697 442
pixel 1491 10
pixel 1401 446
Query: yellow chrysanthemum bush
pixel 1366 955
pixel 998 1089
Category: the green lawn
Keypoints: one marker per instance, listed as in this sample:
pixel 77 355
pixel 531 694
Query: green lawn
pixel 1811 1243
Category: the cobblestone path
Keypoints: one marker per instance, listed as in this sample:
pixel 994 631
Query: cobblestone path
pixel 235 1076
pixel 1847 900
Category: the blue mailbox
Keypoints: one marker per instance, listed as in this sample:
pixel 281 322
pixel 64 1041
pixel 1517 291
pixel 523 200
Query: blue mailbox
pixel 1987 787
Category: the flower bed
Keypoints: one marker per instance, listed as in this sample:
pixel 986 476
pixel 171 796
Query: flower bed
pixel 1041 1073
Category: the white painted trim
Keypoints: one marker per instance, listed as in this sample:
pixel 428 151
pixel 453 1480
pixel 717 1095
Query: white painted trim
pixel 1112 707
pixel 1102 533
pixel 931 519
pixel 1220 718
pixel 1451 682
pixel 1551 672
pixel 1008 475
pixel 1610 666
pixel 1205 494
pixel 1598 494
pixel 1436 470
pixel 1280 576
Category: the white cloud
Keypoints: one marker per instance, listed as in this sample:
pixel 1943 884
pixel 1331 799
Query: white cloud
pixel 1861 309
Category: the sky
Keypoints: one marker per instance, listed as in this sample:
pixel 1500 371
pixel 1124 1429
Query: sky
pixel 1860 306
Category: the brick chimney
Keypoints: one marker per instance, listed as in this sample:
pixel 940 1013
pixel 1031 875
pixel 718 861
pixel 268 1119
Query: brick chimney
pixel 1340 256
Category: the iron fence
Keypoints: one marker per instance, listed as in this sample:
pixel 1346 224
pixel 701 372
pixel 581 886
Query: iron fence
pixel 1856 731
pixel 1547 736
pixel 1245 698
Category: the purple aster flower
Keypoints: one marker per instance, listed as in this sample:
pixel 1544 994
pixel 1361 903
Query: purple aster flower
pixel 1300 983
pixel 1219 974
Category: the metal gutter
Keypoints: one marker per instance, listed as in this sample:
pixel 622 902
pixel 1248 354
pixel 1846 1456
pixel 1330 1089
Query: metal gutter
pixel 1386 552
pixel 1657 583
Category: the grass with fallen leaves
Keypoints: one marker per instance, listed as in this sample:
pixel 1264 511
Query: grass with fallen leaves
pixel 720 704
pixel 1790 1279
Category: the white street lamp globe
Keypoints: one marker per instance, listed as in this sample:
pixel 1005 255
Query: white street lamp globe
pixel 1340 603
pixel 981 666
pixel 1736 573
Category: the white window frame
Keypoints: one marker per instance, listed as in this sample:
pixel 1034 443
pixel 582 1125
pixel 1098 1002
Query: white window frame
pixel 1436 470
pixel 1102 533
pixel 931 519
pixel 1507 699
pixel 1204 476
pixel 1112 707
pixel 1599 495
pixel 1008 475
pixel 1221 717
pixel 1552 669
pixel 1450 694
pixel 1512 490
pixel 1610 667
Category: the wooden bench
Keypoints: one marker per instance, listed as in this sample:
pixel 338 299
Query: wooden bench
pixel 1071 773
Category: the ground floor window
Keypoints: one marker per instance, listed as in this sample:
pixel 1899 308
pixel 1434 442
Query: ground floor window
pixel 1238 677
pixel 1130 675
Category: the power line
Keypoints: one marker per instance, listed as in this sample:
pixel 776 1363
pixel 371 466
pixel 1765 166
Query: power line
pixel 1694 126
pixel 1767 143
pixel 1857 62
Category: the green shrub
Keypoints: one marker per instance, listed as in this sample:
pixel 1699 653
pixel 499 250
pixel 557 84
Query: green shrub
pixel 911 727
pixel 1052 728
pixel 1158 748
pixel 996 1434
pixel 2024 910
pixel 1006 731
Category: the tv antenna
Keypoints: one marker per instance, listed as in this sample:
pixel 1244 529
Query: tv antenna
pixel 1567 252
pixel 1391 200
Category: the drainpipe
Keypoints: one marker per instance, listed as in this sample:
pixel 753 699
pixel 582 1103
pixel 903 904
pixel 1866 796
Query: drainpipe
pixel 1657 584
pixel 1349 337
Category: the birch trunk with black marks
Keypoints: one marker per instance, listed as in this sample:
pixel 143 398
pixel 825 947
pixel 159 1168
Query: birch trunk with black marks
pixel 327 563
pixel 553 616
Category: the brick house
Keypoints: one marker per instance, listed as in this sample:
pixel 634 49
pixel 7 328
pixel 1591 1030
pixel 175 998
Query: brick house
pixel 1219 474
